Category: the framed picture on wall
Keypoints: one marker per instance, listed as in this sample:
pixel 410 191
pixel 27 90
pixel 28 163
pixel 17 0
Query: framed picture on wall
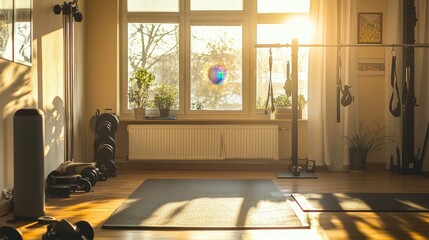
pixel 370 28
pixel 371 66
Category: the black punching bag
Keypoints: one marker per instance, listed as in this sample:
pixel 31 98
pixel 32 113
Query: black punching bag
pixel 29 170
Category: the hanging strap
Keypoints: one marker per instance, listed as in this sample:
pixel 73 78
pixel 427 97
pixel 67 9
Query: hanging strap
pixel 288 83
pixel 346 98
pixel 408 97
pixel 270 87
pixel 395 110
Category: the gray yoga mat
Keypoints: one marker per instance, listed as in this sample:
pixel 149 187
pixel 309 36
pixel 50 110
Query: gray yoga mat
pixel 363 202
pixel 205 204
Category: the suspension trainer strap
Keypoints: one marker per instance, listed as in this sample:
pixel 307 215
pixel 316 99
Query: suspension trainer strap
pixel 346 98
pixel 270 87
pixel 395 110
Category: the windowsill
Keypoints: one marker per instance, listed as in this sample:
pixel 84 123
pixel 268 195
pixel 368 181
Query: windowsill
pixel 208 121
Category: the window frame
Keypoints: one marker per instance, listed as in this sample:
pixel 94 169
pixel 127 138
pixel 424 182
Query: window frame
pixel 185 17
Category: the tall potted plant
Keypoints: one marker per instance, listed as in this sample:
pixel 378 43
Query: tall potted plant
pixel 364 142
pixel 166 97
pixel 139 89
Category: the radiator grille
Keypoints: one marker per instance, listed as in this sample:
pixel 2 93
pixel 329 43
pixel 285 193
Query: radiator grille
pixel 202 142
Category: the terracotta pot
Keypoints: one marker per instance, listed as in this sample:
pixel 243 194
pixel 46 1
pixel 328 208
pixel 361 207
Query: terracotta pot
pixel 139 113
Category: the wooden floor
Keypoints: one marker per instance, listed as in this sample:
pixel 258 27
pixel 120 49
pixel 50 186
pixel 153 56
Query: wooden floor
pixel 96 206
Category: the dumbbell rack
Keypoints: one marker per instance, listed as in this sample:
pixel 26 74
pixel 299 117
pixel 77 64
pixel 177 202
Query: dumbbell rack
pixel 104 128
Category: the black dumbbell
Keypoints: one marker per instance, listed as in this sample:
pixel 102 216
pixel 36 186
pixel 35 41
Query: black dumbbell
pixel 104 152
pixel 11 233
pixel 91 174
pixel 106 124
pixel 104 140
pixel 109 166
pixel 63 229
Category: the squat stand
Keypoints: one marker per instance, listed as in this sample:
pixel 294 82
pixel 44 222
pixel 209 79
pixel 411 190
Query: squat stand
pixel 294 170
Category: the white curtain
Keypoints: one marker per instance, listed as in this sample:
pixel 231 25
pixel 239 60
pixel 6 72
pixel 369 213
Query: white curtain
pixel 326 136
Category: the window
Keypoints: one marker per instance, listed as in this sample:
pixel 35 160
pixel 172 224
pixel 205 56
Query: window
pixel 221 5
pixel 280 65
pixel 216 67
pixel 206 50
pixel 154 46
pixel 153 5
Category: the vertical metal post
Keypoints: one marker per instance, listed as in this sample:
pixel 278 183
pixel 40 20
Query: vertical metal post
pixel 409 22
pixel 294 155
pixel 69 79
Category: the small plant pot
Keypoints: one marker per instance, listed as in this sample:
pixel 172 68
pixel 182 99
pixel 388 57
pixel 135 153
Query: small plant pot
pixel 164 112
pixel 357 160
pixel 139 113
pixel 285 112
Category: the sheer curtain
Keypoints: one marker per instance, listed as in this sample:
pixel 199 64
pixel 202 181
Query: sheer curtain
pixel 326 135
pixel 421 73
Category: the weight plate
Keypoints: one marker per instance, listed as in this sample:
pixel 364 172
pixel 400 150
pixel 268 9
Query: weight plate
pixel 110 118
pixel 102 174
pixel 109 166
pixel 91 175
pixel 50 180
pixel 84 185
pixel 104 140
pixel 85 229
pixel 7 232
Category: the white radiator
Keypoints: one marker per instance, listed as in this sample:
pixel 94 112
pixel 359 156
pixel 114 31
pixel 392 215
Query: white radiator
pixel 202 142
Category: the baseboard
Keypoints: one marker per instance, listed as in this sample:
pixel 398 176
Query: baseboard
pixel 5 206
pixel 229 165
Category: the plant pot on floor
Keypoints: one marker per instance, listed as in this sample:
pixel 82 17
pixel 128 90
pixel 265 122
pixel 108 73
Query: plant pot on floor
pixel 139 113
pixel 357 159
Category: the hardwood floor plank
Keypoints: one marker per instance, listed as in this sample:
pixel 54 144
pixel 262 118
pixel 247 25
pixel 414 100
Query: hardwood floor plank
pixel 97 205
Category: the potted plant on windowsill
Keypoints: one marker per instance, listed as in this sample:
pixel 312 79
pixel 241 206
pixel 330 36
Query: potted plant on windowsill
pixel 284 106
pixel 166 97
pixel 366 140
pixel 138 92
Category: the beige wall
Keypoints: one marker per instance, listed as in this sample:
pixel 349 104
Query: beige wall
pixel 102 58
pixel 40 86
pixel 372 104
pixel 102 75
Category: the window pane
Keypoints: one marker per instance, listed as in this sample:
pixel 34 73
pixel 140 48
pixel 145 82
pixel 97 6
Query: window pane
pixel 281 57
pixel 283 6
pixel 6 19
pixel 153 5
pixel 154 46
pixel 221 5
pixel 22 34
pixel 216 67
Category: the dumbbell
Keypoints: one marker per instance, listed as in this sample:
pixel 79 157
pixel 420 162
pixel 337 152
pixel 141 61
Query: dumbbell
pixel 63 229
pixel 91 174
pixel 10 233
pixel 104 140
pixel 104 152
pixel 106 124
pixel 109 166
pixel 76 182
